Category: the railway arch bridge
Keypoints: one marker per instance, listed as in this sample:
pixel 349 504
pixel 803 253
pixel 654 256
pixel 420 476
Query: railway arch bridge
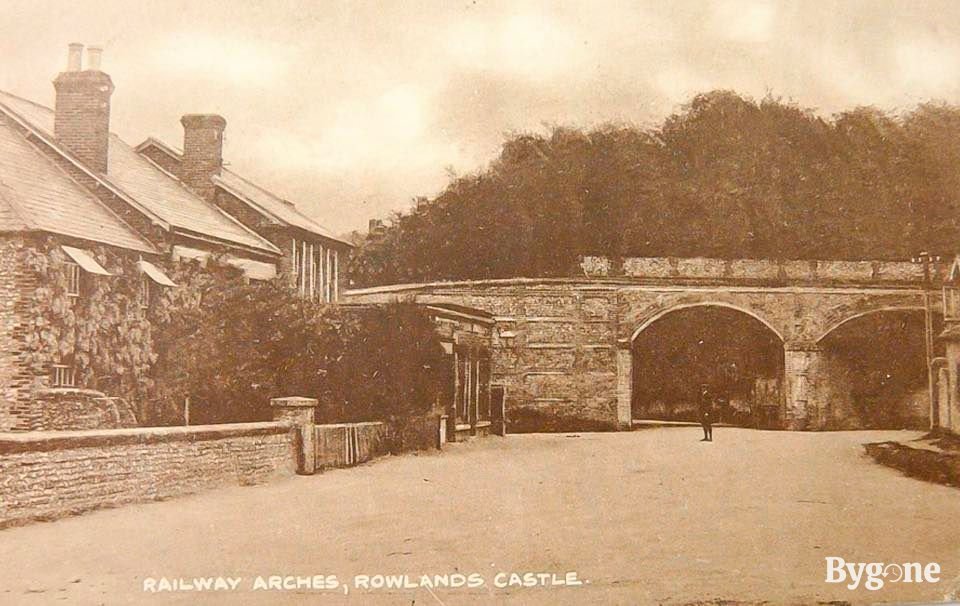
pixel 804 345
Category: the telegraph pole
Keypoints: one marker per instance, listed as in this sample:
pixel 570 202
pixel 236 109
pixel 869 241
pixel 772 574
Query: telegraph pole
pixel 927 260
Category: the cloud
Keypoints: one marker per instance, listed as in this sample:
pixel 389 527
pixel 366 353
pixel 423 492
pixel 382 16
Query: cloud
pixel 219 57
pixel 339 102
pixel 751 21
pixel 927 66
pixel 529 45
pixel 385 132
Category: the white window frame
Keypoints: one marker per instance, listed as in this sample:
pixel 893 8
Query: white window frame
pixel 144 290
pixel 74 278
pixel 951 302
pixel 326 284
pixel 311 272
pixel 336 276
pixel 63 375
pixel 321 274
pixel 295 263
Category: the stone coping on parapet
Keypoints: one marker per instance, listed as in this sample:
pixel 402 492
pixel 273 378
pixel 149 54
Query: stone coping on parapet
pixel 42 441
pixel 676 271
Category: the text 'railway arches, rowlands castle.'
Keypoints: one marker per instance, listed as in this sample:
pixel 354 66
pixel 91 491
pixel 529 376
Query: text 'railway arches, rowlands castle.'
pixel 783 344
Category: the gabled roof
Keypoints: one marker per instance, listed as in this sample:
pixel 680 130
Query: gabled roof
pixel 145 185
pixel 268 204
pixel 38 195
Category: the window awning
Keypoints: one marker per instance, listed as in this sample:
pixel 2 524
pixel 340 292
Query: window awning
pixel 155 274
pixel 185 252
pixel 85 260
pixel 255 270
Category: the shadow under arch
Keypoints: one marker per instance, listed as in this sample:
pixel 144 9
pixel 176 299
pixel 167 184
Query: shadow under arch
pixel 872 370
pixel 675 308
pixel 738 353
pixel 870 312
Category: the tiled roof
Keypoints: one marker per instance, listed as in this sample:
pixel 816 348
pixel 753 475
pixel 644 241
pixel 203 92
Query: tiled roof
pixel 36 194
pixel 282 209
pixel 149 186
pixel 10 219
pixel 267 203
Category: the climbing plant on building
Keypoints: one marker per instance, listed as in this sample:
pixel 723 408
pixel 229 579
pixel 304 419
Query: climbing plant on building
pixel 97 328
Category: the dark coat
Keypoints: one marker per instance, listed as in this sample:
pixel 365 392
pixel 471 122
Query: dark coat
pixel 705 408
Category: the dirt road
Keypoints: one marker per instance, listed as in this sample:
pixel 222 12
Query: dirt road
pixel 651 516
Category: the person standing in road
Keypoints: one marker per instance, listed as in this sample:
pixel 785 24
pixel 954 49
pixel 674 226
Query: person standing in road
pixel 705 412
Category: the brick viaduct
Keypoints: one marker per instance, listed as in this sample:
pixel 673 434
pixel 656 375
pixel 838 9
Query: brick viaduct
pixel 563 346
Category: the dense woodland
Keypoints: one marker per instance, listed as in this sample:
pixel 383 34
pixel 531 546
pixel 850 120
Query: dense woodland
pixel 725 176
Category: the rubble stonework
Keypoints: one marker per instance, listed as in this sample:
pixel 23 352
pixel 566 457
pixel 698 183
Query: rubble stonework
pixel 87 470
pixel 562 346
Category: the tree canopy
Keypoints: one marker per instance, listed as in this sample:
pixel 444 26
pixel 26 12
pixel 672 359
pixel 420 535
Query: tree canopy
pixel 725 176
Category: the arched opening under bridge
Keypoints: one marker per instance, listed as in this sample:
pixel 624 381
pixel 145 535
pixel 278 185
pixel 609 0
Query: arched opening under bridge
pixel 736 353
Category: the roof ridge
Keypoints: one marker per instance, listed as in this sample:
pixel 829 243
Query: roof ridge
pixel 290 206
pixel 272 246
pixel 25 100
pixel 316 226
pixel 269 245
pixel 160 143
pixel 48 139
pixel 145 244
pixel 94 198
pixel 259 207
pixel 263 189
pixel 163 146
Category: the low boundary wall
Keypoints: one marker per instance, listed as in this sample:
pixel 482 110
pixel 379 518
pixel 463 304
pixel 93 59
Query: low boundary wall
pixel 50 474
pixel 46 475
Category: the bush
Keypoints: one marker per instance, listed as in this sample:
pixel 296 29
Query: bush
pixel 242 345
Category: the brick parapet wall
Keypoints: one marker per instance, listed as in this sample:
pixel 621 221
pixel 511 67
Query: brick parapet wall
pixel 47 475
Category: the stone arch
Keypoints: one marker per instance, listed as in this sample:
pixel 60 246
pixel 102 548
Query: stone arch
pixel 647 322
pixel 872 369
pixel 849 318
pixel 734 348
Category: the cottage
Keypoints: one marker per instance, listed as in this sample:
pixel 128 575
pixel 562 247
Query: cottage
pixel 91 225
pixel 312 254
pixel 50 225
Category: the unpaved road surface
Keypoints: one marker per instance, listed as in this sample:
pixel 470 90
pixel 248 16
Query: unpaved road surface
pixel 645 517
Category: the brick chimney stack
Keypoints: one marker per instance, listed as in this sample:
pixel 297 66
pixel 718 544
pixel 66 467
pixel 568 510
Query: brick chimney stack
pixel 82 111
pixel 202 152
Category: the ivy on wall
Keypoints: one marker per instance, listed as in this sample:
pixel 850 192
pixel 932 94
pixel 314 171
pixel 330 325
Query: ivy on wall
pixel 112 339
pixel 226 344
pixel 105 331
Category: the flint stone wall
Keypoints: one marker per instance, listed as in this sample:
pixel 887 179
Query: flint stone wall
pixel 47 475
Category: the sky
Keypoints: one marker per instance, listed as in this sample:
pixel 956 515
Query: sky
pixel 351 109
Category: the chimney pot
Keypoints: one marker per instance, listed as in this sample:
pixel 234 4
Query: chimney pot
pixel 74 57
pixel 94 53
pixel 81 121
